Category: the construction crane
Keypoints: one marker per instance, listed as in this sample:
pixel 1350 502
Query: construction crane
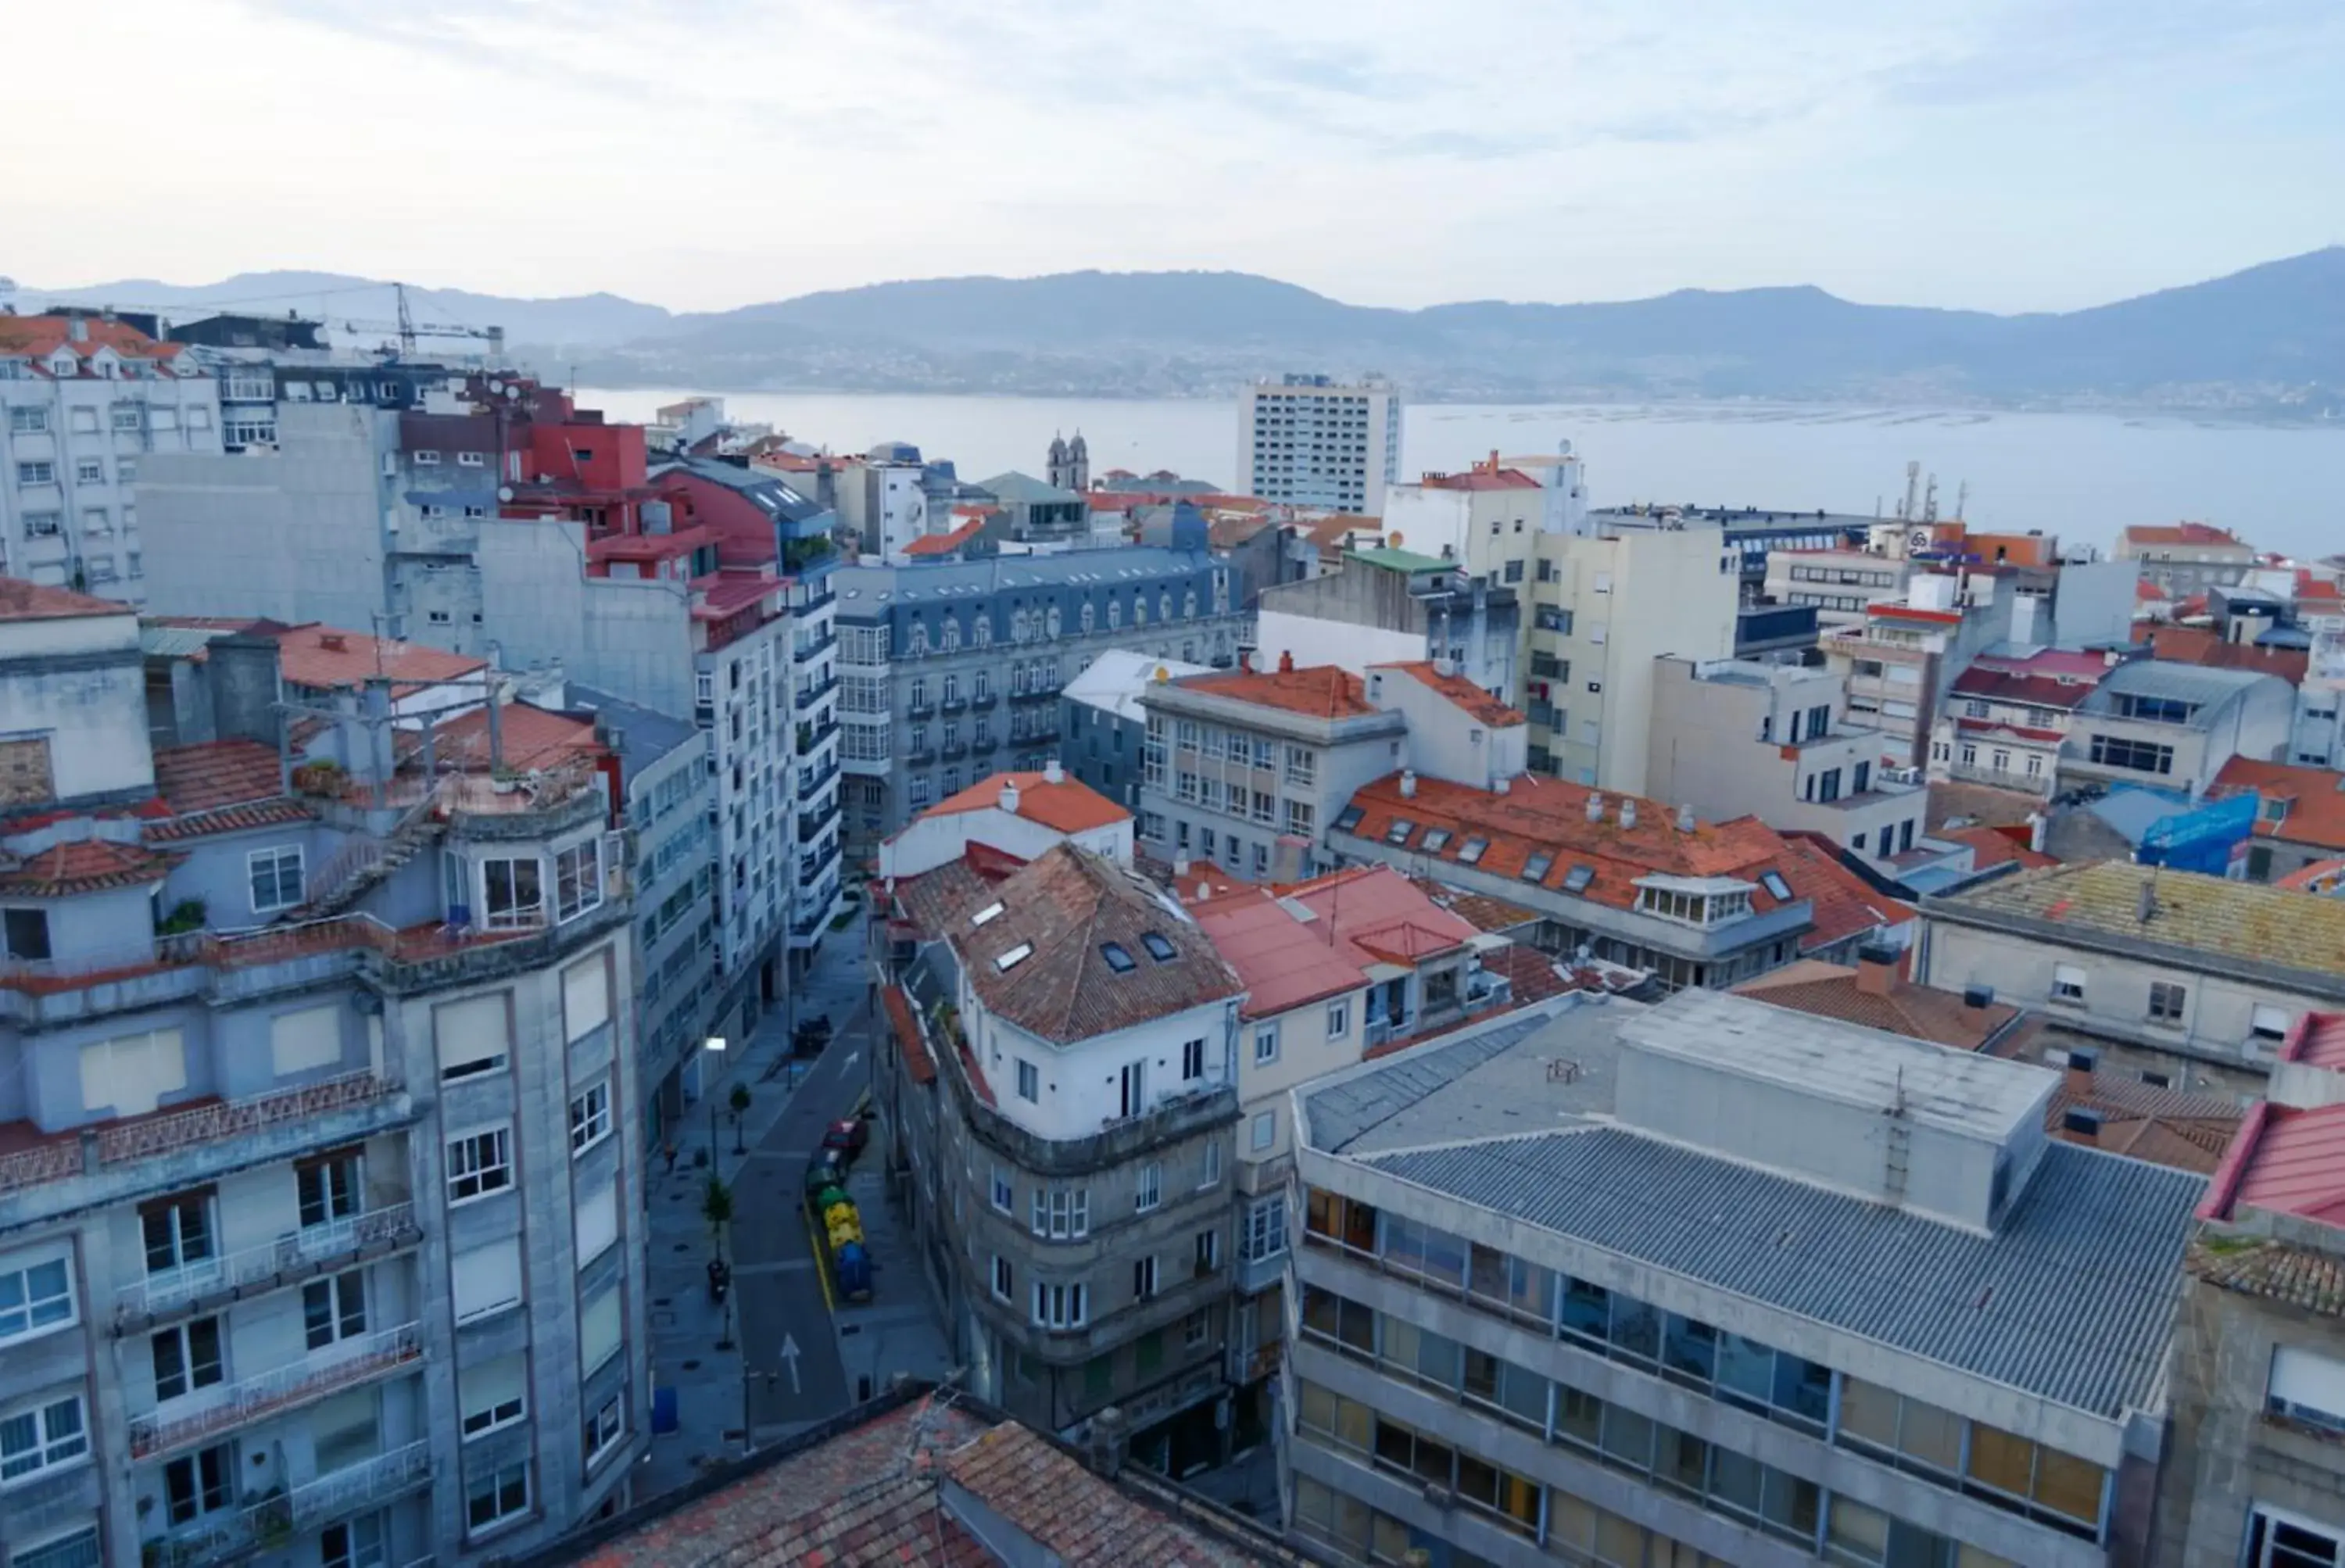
pixel 408 329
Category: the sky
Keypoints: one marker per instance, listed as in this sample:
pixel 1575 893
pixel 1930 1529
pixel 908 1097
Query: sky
pixel 2004 155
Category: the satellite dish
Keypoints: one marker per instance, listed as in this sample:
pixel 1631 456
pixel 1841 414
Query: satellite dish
pixel 513 391
pixel 496 386
pixel 504 491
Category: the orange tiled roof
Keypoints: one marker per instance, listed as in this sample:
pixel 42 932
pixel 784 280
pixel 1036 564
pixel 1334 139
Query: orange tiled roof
pixel 1919 1012
pixel 919 1065
pixel 1320 691
pixel 1993 847
pixel 2179 534
pixel 1362 916
pixel 324 658
pixel 1488 709
pixel 1839 903
pixel 85 866
pixel 1068 804
pixel 41 336
pixel 529 738
pixel 206 776
pixel 2314 878
pixel 947 542
pixel 2315 797
pixel 23 601
pixel 2204 646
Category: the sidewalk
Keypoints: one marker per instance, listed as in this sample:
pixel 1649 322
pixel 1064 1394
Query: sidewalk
pixel 686 1327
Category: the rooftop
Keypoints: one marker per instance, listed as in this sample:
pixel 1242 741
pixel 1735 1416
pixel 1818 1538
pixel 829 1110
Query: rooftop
pixel 529 738
pixel 2199 646
pixel 1016 488
pixel 1320 691
pixel 948 542
pixel 2201 534
pixel 1392 558
pixel 193 779
pixel 1462 693
pixel 85 866
pixel 40 337
pixel 23 601
pixel 1114 681
pixel 2069 1299
pixel 1991 847
pixel 1309 941
pixel 641 736
pixel 1065 804
pixel 2212 919
pixel 1041 958
pixel 1891 1003
pixel 868 593
pixel 2311 800
pixel 324 658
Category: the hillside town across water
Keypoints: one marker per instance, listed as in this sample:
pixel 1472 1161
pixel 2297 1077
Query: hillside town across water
pixel 589 992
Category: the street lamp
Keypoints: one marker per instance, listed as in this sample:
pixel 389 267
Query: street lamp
pixel 714 1045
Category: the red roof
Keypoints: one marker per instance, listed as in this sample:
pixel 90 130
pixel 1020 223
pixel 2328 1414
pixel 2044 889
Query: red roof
pixel 2317 877
pixel 23 601
pixel 1065 804
pixel 2317 1040
pixel 528 736
pixel 2201 645
pixel 2014 685
pixel 1360 917
pixel 2179 534
pixel 41 336
pixel 1993 847
pixel 206 776
pixel 919 1065
pixel 650 546
pixel 946 543
pixel 2018 731
pixel 1895 611
pixel 2148 593
pixel 2291 1162
pixel 725 593
pixel 324 658
pixel 85 866
pixel 1464 693
pixel 1840 903
pixel 2315 798
pixel 1320 691
pixel 1481 478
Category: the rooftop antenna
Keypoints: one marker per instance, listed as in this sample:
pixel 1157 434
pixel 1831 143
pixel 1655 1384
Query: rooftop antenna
pixel 1962 500
pixel 406 323
pixel 1912 479
pixel 1930 501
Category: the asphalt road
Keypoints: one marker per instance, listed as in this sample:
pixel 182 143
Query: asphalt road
pixel 777 1279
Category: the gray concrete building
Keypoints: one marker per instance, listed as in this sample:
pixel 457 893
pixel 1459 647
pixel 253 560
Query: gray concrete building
pixel 1101 727
pixel 1067 1039
pixel 2186 981
pixel 953 670
pixel 316 1094
pixel 2154 721
pixel 1608 1293
pixel 2254 1472
pixel 1387 607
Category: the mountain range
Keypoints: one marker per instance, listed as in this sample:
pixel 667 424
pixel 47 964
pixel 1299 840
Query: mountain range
pixel 2269 340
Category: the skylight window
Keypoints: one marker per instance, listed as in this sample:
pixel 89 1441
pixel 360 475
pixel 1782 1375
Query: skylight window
pixel 1159 949
pixel 1577 879
pixel 1118 958
pixel 1536 867
pixel 1350 819
pixel 1399 831
pixel 1014 957
pixel 1471 851
pixel 1434 838
pixel 989 912
pixel 1777 887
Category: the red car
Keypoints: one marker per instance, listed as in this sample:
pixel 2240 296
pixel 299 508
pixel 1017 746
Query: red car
pixel 846 1138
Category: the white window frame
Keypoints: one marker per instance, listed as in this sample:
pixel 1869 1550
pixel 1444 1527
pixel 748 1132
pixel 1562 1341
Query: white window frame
pixel 1339 1020
pixel 604 1430
pixel 481 1159
pixel 2068 983
pixel 1030 1082
pixel 1266 1043
pixel 1004 1193
pixel 1212 1167
pixel 1263 1233
pixel 493 1486
pixel 572 897
pixel 425 457
pixel 1060 1308
pixel 501 1413
pixel 273 862
pixel 343 1321
pixel 1148 1189
pixel 471 460
pixel 1192 1061
pixel 590 1116
pixel 22 1309
pixel 50 1452
pixel 1062 1213
pixel 1264 1132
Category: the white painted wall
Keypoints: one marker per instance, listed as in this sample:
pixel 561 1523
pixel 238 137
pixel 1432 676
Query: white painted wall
pixel 937 838
pixel 1080 1086
pixel 1315 642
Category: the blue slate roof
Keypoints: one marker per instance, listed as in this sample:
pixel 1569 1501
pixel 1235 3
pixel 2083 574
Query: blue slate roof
pixel 644 734
pixel 2072 1299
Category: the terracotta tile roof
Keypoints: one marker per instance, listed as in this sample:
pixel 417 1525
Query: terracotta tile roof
pixel 1464 693
pixel 1229 533
pixel 2219 918
pixel 1082 1520
pixel 2018 686
pixel 206 776
pixel 85 866
pixel 41 336
pixel 2317 1040
pixel 1837 991
pixel 2201 645
pixel 1357 918
pixel 1991 847
pixel 529 738
pixel 23 601
pixel 1320 691
pixel 1203 880
pixel 1061 911
pixel 2148 593
pixel 1479 910
pixel 2180 534
pixel 1065 804
pixel 324 658
pixel 2314 799
pixel 2295 1275
pixel 1335 531
pixel 2169 1126
pixel 2018 731
pixel 1480 477
pixel 2320 876
pixel 919 1065
pixel 947 542
pixel 2290 1161
pixel 1840 903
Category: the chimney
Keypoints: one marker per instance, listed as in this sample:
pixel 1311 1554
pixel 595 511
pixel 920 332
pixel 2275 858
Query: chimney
pixel 1180 865
pixel 1009 800
pixel 2145 908
pixel 2082 1124
pixel 1685 818
pixel 1501 784
pixel 1103 1443
pixel 1627 811
pixel 1409 783
pixel 1595 806
pixel 2079 1076
pixel 1287 661
pixel 333 642
pixel 77 329
pixel 1876 971
pixel 1052 773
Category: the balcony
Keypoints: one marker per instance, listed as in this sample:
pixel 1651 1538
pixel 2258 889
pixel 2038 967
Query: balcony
pixel 271 1523
pixel 1255 1275
pixel 343 1365
pixel 920 710
pixel 952 704
pixel 313 1250
pixel 810 695
pixel 1035 694
pixel 983 746
pixel 920 759
pixel 811 823
pixel 954 752
pixel 982 702
pixel 813 647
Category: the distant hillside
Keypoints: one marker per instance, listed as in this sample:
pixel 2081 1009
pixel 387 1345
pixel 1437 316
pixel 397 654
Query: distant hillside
pixel 2269 339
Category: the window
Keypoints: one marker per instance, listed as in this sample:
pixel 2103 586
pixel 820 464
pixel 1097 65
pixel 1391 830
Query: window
pixel 594 1229
pixel 334 1308
pixel 512 895
pixel 577 880
pixel 486 1280
pixel 1144 1279
pixel 480 1163
pixel 1266 1043
pixel 36 1293
pixel 426 458
pixel 2138 756
pixel 75 1549
pixel 471 1036
pixel 36 474
pixel 1148 1191
pixel 306 1041
pixel 1339 1020
pixel 44 525
pixel 1212 1167
pixel 177 1231
pixel 187 1357
pixel 598 1331
pixel 470 460
pixel 2165 1001
pixel 42 1437
pixel 1062 1214
pixel 2068 982
pixel 1030 1082
pixel 1299 819
pixel 89 471
pixel 1004 1196
pixel 1059 1307
pixel 1265 1131
pixel 2308 1387
pixel 2277 1541
pixel 25 420
pixel 498 1495
pixel 2267 1024
pixel 201 1483
pixel 589 1117
pixel 492 1394
pixel 1195 1329
pixel 1302 766
pixel 1265 1229
pixel 1003 1290
pixel 603 1428
pixel 1209 1251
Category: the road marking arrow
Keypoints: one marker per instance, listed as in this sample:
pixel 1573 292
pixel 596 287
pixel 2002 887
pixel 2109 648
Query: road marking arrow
pixel 790 1357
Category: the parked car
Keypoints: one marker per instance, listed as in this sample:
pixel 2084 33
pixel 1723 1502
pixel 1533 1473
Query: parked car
pixel 844 1139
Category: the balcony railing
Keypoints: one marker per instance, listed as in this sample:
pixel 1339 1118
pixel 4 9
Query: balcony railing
pixel 274 1522
pixel 920 710
pixel 151 1137
pixel 813 647
pixel 299 1252
pixel 982 702
pixel 984 745
pixel 345 1364
pixel 811 823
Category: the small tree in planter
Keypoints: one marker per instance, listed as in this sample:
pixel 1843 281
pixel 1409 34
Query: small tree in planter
pixel 716 1208
pixel 740 1102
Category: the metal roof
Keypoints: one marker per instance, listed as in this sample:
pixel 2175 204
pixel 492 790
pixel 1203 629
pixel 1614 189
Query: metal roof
pixel 868 592
pixel 2071 1300
pixel 1349 1109
pixel 2206 687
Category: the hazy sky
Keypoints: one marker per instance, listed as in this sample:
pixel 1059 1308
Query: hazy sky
pixel 701 154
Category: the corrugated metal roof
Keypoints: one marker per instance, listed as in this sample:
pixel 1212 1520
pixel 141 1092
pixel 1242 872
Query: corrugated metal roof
pixel 2072 1300
pixel 1345 1110
pixel 158 641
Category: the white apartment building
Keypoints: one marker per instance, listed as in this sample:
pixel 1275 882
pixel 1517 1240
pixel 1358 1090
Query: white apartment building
pixel 1839 584
pixel 1313 441
pixel 86 400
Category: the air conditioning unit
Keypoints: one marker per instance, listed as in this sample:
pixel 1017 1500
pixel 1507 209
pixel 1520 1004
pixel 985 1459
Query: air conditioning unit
pixel 1439 1497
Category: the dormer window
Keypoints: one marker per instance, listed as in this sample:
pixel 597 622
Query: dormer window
pixel 1706 902
pixel 1119 957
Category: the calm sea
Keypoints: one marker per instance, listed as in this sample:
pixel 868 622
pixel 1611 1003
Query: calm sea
pixel 2083 476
